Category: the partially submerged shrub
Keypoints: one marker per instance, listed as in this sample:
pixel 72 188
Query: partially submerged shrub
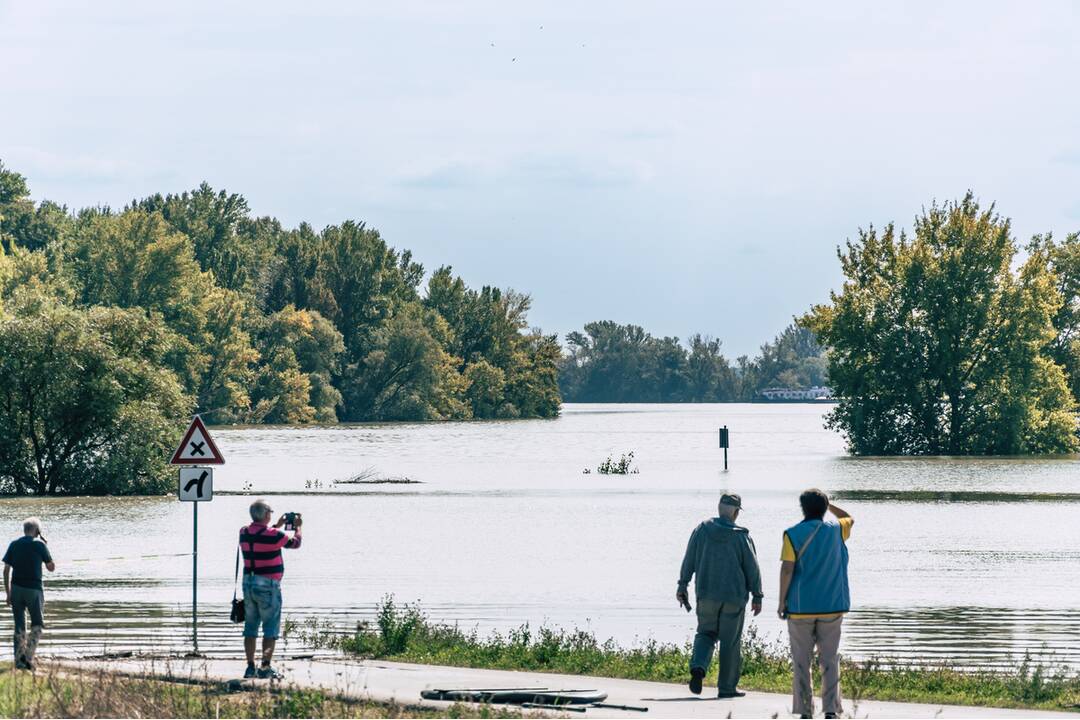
pixel 622 466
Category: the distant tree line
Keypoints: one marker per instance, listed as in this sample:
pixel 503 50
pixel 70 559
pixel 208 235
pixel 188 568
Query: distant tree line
pixel 608 362
pixel 116 325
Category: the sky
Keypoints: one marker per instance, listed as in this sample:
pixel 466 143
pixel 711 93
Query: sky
pixel 687 167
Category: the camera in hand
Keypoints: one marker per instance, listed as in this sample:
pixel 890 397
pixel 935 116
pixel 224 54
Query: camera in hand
pixel 290 520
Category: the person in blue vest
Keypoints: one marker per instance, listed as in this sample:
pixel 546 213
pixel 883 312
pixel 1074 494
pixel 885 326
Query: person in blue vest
pixel 722 559
pixel 814 596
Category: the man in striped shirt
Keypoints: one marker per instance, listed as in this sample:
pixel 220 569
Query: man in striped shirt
pixel 261 545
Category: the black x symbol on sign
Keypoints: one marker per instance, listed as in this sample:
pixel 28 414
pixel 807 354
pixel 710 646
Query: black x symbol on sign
pixel 197 448
pixel 197 481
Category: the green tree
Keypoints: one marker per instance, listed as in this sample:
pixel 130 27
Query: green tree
pixel 511 372
pixel 359 282
pixel 486 384
pixel 609 362
pixel 532 378
pixel 25 270
pixel 406 374
pixel 224 239
pixel 301 353
pixel 794 359
pixel 87 404
pixel 1063 258
pixel 606 363
pixel 136 260
pixel 937 347
pixel 24 225
pixel 291 271
pixel 709 376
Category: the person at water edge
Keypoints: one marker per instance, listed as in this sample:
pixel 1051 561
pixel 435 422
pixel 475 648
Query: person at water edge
pixel 264 567
pixel 25 592
pixel 814 596
pixel 723 562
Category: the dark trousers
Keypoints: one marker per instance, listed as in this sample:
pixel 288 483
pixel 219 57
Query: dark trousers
pixel 720 623
pixel 27 600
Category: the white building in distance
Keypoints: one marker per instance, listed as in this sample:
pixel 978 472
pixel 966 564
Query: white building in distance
pixel 782 394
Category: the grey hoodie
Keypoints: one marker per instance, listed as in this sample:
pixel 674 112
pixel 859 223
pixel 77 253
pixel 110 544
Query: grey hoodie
pixel 722 557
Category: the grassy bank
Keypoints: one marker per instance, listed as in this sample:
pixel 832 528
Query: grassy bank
pixel 52 694
pixel 405 633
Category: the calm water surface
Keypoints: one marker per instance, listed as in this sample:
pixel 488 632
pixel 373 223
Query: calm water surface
pixel 505 529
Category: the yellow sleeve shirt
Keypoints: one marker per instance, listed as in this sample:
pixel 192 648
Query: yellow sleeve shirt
pixel 787 554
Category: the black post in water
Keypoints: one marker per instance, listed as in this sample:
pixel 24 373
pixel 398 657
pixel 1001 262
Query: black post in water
pixel 724 443
pixel 195 576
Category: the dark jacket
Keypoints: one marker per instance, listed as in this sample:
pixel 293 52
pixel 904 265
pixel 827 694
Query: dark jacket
pixel 722 558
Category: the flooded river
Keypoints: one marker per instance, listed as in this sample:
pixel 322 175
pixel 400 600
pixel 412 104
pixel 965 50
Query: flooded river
pixel 974 561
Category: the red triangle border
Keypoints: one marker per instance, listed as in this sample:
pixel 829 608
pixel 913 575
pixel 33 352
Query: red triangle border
pixel 215 458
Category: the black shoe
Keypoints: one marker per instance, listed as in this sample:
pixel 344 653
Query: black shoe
pixel 696 676
pixel 732 694
pixel 831 716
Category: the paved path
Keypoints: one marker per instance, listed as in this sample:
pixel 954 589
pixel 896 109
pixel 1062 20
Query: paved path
pixel 402 683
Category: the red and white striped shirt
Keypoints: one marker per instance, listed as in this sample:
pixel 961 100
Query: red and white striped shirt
pixel 261 545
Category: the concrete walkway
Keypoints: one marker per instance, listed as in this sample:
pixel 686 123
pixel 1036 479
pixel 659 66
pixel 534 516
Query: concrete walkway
pixel 403 682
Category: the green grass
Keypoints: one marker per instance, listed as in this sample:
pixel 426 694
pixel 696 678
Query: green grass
pixel 404 633
pixel 49 693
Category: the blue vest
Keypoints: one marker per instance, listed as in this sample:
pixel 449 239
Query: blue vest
pixel 820 583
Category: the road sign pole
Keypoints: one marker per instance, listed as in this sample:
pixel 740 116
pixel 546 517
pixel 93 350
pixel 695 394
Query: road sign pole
pixel 195 485
pixel 195 576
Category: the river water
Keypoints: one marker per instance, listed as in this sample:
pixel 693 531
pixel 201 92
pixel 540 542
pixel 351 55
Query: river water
pixel 971 561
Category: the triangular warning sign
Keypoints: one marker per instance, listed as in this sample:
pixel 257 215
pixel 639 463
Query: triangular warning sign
pixel 197 447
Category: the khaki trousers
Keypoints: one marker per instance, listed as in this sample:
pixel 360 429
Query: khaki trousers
pixel 805 634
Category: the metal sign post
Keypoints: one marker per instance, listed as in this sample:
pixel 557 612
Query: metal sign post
pixel 196 485
pixel 195 576
pixel 724 442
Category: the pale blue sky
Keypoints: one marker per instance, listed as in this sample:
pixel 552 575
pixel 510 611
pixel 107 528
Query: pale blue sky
pixel 683 166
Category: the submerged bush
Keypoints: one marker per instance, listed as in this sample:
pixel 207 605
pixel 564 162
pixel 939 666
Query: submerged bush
pixel 622 466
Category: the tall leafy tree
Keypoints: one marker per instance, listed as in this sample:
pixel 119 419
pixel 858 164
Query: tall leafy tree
pixel 224 239
pixel 301 353
pixel 87 403
pixel 709 376
pixel 24 224
pixel 405 374
pixel 359 282
pixel 938 347
pixel 1063 258
pixel 136 260
pixel 510 372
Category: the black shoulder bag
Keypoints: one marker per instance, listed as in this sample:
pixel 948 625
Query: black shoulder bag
pixel 237 612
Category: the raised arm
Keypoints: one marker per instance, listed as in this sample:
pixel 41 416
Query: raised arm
pixel 840 513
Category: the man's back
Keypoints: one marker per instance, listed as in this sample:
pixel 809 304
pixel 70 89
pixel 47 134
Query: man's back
pixel 722 558
pixel 26 556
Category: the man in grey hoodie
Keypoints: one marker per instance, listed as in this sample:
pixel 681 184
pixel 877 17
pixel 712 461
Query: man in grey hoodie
pixel 722 558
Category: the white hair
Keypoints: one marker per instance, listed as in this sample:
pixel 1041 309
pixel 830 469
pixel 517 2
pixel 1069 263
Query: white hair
pixel 31 526
pixel 258 510
pixel 727 511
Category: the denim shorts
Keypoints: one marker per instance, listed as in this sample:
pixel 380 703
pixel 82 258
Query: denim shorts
pixel 262 604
